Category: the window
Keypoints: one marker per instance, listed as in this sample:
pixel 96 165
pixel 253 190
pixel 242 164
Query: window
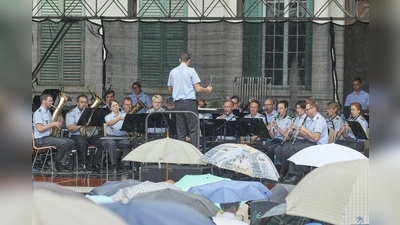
pixel 65 66
pixel 286 43
pixel 159 47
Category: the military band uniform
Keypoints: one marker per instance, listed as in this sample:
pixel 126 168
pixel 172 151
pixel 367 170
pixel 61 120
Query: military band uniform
pixel 335 123
pixel 257 143
pixel 142 97
pixel 362 98
pixel 158 132
pixel 112 144
pixel 317 124
pixel 64 145
pixel 82 143
pixel 270 117
pixel 351 141
pixel 281 150
pixel 283 123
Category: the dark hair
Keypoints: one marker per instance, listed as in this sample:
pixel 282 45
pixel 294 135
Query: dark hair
pixel 184 57
pixel 228 100
pixel 127 99
pixel 257 102
pixel 235 97
pixel 137 84
pixel 284 102
pixel 110 92
pixel 302 104
pixel 44 96
pixel 357 79
pixel 81 96
pixel 110 103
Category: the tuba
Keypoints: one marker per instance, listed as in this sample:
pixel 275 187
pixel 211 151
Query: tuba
pixel 55 132
pixel 83 130
pixel 138 106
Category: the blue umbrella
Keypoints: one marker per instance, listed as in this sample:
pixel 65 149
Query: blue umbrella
pixel 137 212
pixel 228 191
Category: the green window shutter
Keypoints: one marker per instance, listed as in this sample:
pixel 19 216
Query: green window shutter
pixel 50 70
pixel 73 55
pixel 149 53
pixel 252 41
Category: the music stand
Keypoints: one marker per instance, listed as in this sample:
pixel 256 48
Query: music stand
pixel 254 126
pixel 236 112
pixel 346 111
pixel 171 122
pixel 207 127
pixel 97 116
pixel 134 122
pixel 358 130
pixel 226 128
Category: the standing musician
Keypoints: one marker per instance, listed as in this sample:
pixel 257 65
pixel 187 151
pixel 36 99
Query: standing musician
pixel 42 125
pixel 350 140
pixel 280 150
pixel 82 143
pixel 333 120
pixel 316 134
pixel 228 116
pixel 114 122
pixel 277 128
pixel 254 107
pixel 138 94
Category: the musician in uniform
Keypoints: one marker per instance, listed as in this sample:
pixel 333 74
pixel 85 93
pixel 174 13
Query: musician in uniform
pixel 317 134
pixel 42 125
pixel 138 94
pixel 82 143
pixel 280 150
pixel 358 95
pixel 127 105
pixel 156 132
pixel 277 128
pixel 350 140
pixel 270 112
pixel 254 107
pixel 228 116
pixel 333 120
pixel 201 103
pixel 110 95
pixel 114 122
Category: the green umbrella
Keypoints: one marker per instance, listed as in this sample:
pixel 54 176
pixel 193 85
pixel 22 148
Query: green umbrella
pixel 189 181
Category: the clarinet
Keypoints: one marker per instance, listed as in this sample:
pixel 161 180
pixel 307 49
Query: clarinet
pixel 288 131
pixel 297 133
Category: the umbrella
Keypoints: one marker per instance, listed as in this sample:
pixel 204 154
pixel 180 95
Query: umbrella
pixel 336 193
pixel 280 191
pixel 198 202
pixel 57 189
pixel 161 213
pixel 144 187
pixel 277 216
pixel 52 208
pixel 242 159
pixel 227 191
pixel 111 187
pixel 166 150
pixel 189 181
pixel 319 155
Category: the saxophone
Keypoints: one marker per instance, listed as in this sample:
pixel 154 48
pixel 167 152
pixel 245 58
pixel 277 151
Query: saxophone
pixel 83 130
pixel 54 131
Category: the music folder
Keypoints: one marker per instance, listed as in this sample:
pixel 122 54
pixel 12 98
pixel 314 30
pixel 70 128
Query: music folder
pixel 254 126
pixel 134 122
pixel 226 128
pixel 96 116
pixel 358 130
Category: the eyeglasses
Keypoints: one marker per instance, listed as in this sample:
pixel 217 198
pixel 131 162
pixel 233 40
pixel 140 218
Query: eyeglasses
pixel 309 108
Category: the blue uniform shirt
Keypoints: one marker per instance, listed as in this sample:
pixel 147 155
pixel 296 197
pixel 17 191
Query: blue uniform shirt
pixel 72 117
pixel 271 116
pixel 335 123
pixel 318 124
pixel 283 124
pixel 42 116
pixel 299 121
pixel 115 130
pixel 363 123
pixel 182 79
pixel 144 98
pixel 362 98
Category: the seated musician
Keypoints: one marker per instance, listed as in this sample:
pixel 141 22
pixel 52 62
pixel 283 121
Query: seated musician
pixel 201 103
pixel 82 142
pixel 254 107
pixel 156 132
pixel 350 140
pixel 333 120
pixel 277 128
pixel 228 116
pixel 236 103
pixel 42 125
pixel 114 122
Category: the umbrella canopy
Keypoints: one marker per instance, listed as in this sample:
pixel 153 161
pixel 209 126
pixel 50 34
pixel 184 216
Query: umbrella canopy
pixel 160 213
pixel 111 187
pixel 166 150
pixel 189 181
pixel 52 208
pixel 198 202
pixel 277 216
pixel 147 186
pixel 280 191
pixel 242 159
pixel 57 189
pixel 319 155
pixel 336 193
pixel 227 191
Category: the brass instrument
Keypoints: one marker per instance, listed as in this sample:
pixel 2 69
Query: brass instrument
pixel 83 130
pixel 138 106
pixel 56 117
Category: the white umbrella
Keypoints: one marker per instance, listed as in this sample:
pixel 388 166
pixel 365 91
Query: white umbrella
pixel 242 159
pixel 166 150
pixel 147 186
pixel 336 193
pixel 319 155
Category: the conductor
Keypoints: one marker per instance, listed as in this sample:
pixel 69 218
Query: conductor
pixel 184 82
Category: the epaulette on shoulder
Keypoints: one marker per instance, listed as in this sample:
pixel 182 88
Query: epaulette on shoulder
pixel 362 118
pixel 39 110
pixel 70 111
pixel 337 118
